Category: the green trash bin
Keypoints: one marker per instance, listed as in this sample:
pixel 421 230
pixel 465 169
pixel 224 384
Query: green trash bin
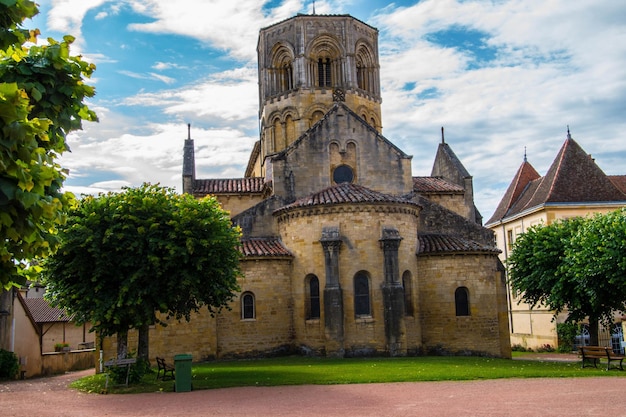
pixel 182 367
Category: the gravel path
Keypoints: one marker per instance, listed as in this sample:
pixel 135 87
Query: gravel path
pixel 545 397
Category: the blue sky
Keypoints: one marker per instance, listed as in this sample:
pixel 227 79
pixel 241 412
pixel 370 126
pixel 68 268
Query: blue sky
pixel 501 76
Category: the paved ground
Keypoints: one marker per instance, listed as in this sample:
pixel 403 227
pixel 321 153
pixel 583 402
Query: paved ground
pixel 545 397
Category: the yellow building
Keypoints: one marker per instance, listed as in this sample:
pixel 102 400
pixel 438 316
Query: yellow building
pixel 573 186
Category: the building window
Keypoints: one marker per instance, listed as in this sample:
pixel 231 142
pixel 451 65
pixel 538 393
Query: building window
pixel 286 76
pixel 509 239
pixel 323 72
pixel 461 301
pixel 362 306
pixel 408 293
pixel 343 174
pixel 248 310
pixel 312 297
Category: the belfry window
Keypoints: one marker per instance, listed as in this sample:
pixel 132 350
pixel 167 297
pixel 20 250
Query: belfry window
pixel 286 76
pixel 324 78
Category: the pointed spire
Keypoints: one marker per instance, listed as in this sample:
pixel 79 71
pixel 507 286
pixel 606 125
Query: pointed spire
pixel 443 140
pixel 188 131
pixel 525 159
pixel 313 6
pixel 568 134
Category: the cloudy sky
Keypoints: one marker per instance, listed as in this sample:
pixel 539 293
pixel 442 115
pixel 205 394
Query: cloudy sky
pixel 503 77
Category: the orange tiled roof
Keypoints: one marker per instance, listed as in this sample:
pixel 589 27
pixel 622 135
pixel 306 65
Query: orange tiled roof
pixel 573 177
pixel 42 312
pixel 427 185
pixel 268 246
pixel 432 243
pixel 345 193
pixel 229 185
pixel 619 181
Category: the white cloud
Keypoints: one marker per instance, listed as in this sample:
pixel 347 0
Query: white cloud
pixel 555 63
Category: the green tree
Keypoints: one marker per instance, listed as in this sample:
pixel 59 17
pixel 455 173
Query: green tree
pixel 42 91
pixel 127 256
pixel 577 264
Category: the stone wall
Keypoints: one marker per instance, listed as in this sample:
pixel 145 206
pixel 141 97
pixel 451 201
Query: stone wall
pixel 360 228
pixel 485 328
pixel 271 330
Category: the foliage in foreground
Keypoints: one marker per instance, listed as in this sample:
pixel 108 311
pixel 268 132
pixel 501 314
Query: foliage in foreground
pixel 327 371
pixel 127 256
pixel 9 365
pixel 42 94
pixel 578 264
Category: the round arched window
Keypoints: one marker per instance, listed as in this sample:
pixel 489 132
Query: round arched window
pixel 343 173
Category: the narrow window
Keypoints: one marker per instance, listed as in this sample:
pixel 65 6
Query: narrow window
pixel 362 295
pixel 323 72
pixel 287 76
pixel 247 306
pixel 313 298
pixel 509 239
pixel 408 294
pixel 461 301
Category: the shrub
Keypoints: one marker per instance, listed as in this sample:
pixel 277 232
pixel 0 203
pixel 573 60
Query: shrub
pixel 519 348
pixel 9 365
pixel 566 333
pixel 545 348
pixel 135 373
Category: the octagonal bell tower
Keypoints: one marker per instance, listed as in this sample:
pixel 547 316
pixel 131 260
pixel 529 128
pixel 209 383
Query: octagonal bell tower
pixel 306 63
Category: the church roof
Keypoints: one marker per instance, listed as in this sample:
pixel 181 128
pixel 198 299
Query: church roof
pixel 266 246
pixel 42 312
pixel 229 185
pixel 573 177
pixel 345 193
pixel 435 243
pixel 426 185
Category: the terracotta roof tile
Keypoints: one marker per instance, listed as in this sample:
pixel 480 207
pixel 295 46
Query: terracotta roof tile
pixel 573 177
pixel 619 181
pixel 524 176
pixel 42 312
pixel 229 185
pixel 432 243
pixel 427 185
pixel 345 193
pixel 264 247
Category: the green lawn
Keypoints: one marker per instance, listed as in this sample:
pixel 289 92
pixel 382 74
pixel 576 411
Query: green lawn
pixel 320 371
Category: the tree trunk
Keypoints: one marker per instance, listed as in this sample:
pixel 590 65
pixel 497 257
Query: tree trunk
pixel 594 330
pixel 122 344
pixel 143 347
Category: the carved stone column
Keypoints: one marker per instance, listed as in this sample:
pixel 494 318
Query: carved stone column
pixel 393 293
pixel 333 296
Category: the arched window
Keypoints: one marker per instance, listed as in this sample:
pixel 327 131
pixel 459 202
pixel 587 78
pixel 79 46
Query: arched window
pixel 366 68
pixel 362 305
pixel 324 78
pixel 408 293
pixel 248 308
pixel 312 298
pixel 461 301
pixel 286 76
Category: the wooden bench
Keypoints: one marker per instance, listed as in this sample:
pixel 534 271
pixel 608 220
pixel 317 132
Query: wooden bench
pixel 594 354
pixel 166 368
pixel 118 363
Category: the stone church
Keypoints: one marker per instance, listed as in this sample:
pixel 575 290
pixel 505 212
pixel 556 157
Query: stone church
pixel 345 252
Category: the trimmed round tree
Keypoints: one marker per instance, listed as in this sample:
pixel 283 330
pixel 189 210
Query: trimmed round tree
pixel 124 257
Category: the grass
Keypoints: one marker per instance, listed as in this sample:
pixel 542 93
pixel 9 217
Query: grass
pixel 325 371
